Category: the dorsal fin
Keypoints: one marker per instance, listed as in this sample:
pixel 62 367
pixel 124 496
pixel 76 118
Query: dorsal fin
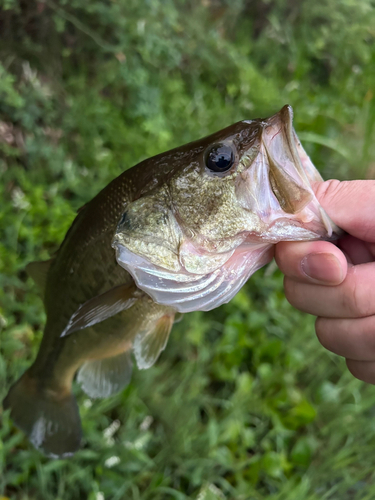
pixel 79 210
pixel 38 270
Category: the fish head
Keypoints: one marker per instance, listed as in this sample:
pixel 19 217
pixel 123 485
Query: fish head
pixel 210 212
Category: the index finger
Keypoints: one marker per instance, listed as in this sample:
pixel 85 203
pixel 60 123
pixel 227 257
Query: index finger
pixel 350 204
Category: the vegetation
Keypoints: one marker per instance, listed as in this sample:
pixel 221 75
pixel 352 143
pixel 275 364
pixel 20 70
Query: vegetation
pixel 244 403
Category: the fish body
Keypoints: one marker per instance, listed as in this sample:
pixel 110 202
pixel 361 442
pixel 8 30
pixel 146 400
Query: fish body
pixel 179 232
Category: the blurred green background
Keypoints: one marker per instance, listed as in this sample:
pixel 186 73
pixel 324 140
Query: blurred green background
pixel 244 403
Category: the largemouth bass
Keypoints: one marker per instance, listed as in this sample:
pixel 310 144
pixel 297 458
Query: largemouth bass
pixel 179 232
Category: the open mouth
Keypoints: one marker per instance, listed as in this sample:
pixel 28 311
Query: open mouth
pixel 287 177
pixel 291 174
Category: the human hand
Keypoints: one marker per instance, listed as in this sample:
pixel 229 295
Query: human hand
pixel 337 283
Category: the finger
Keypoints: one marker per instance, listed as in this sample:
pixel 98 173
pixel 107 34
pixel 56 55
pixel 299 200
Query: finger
pixel 363 370
pixel 351 338
pixel 350 204
pixel 317 262
pixel 353 298
pixel 358 251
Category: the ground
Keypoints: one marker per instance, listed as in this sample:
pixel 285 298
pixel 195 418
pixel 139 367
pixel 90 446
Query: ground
pixel 244 403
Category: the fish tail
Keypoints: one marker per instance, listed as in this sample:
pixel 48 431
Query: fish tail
pixel 48 417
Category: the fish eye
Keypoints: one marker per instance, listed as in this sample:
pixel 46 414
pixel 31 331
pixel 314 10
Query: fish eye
pixel 219 158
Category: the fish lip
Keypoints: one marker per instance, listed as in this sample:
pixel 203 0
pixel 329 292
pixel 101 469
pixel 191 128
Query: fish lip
pixel 311 234
pixel 285 118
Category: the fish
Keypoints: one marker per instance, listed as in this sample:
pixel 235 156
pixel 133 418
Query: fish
pixel 179 232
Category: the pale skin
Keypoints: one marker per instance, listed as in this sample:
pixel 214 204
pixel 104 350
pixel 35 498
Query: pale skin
pixel 337 283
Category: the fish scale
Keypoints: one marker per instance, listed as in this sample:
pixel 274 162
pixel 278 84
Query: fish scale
pixel 179 232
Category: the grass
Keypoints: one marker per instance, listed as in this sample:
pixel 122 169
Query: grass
pixel 244 403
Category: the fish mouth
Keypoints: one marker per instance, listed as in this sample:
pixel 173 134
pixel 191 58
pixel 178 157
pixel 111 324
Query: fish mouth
pixel 283 175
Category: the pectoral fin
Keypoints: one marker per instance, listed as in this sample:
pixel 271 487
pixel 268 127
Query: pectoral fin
pixel 149 343
pixel 102 307
pixel 38 271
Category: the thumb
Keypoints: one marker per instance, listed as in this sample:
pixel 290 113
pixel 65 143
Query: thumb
pixel 351 205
